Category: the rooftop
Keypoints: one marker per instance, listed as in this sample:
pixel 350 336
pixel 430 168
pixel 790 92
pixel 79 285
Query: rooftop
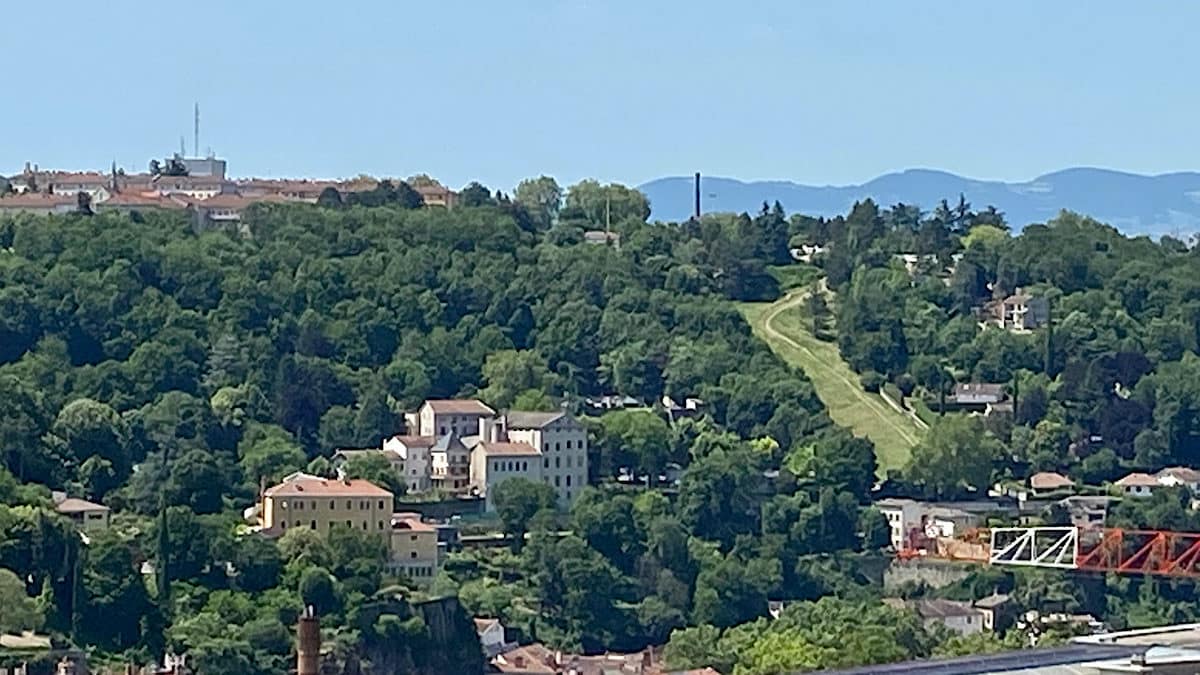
pixel 532 420
pixel 934 608
pixel 1138 480
pixel 72 505
pixel 509 449
pixel 415 441
pixel 327 487
pixel 1181 473
pixel 468 406
pixel 411 524
pixel 1048 480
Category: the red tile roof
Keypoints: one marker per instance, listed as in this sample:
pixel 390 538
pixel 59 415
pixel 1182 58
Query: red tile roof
pixel 327 487
pixel 1138 479
pixel 36 200
pixel 1048 480
pixel 411 524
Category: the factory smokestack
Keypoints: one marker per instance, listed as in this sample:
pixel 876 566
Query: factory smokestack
pixel 697 213
pixel 308 643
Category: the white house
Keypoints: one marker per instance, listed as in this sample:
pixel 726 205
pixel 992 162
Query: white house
pixel 1138 485
pixel 493 462
pixel 1174 476
pixel 492 637
pixel 417 461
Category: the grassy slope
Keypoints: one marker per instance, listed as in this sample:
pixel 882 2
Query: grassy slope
pixel 780 324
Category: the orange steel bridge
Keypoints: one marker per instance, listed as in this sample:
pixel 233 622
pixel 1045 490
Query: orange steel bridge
pixel 1121 551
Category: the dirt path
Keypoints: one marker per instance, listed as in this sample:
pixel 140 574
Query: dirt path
pixel 893 432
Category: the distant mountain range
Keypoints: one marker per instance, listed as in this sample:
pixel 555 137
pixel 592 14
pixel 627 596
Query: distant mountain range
pixel 1135 204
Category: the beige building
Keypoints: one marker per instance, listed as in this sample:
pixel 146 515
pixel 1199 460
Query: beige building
pixel 563 443
pixel 493 462
pixel 87 516
pixel 413 548
pixel 322 504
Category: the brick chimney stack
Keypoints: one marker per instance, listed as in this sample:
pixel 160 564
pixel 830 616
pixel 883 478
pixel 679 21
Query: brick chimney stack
pixel 308 648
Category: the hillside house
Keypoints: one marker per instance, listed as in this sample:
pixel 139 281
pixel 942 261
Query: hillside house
pixel 958 617
pixel 1021 312
pixel 1138 485
pixel 322 504
pixel 413 548
pixel 1045 483
pixel 415 463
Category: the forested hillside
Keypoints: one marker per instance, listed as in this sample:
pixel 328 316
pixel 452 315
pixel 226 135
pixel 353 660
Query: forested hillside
pixel 1105 386
pixel 167 373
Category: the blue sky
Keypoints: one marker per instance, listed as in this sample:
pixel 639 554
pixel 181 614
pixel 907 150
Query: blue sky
pixel 628 90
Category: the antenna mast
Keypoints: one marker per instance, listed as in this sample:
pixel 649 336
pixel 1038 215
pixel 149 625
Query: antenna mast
pixel 196 139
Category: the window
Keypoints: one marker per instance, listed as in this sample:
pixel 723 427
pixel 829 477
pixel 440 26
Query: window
pixel 556 481
pixel 414 537
pixel 380 504
pixel 349 505
pixel 332 505
pixel 545 447
pixel 557 447
pixel 381 524
pixel 283 524
pixel 349 525
pixel 413 554
pixel 524 466
pixel 364 526
pixel 546 463
pixel 568 445
pixel 313 525
pixel 558 462
pixel 312 505
pixel 296 524
pixel 300 506
pixel 568 481
pixel 568 495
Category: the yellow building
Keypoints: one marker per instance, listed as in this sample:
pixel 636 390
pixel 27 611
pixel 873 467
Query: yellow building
pixel 414 548
pixel 323 504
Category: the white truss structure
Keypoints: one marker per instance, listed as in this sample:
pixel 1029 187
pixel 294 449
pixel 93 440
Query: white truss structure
pixel 1056 547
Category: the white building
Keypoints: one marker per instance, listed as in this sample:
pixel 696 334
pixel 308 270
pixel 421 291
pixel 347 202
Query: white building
pixel 911 522
pixel 441 417
pixel 493 462
pixel 450 462
pixel 563 443
pixel 416 461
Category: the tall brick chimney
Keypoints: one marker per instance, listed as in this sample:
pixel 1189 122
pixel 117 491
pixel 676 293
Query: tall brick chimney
pixel 308 646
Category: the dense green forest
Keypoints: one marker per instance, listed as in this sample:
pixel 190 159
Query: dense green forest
pixel 166 373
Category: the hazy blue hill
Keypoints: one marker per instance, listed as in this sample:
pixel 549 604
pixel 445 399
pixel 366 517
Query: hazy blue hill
pixel 1134 203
